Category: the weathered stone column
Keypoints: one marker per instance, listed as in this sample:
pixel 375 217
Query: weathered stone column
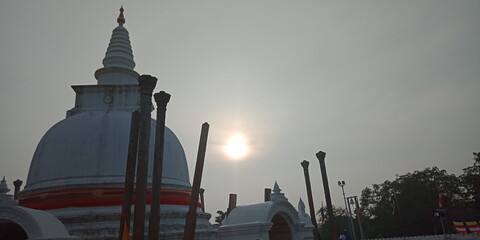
pixel 331 221
pixel 147 84
pixel 129 174
pixel 305 164
pixel 267 195
pixel 232 202
pixel 191 221
pixel 17 184
pixel 161 98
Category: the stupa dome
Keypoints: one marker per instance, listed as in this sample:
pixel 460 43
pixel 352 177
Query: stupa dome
pixel 83 158
pixel 90 149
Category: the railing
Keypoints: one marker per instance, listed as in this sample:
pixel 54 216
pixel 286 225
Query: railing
pixel 436 237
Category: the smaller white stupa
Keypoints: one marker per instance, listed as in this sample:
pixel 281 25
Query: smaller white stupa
pixel 275 219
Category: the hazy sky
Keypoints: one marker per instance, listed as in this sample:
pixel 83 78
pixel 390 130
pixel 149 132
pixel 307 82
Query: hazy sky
pixel 383 87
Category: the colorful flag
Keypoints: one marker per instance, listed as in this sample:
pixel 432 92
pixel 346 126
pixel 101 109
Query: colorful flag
pixel 440 198
pixel 394 204
pixel 460 227
pixel 322 214
pixel 473 227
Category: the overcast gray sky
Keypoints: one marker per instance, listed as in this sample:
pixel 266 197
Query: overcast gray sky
pixel 383 87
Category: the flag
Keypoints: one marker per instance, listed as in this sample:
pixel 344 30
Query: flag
pixel 460 227
pixel 473 227
pixel 440 198
pixel 394 204
pixel 322 214
pixel 125 234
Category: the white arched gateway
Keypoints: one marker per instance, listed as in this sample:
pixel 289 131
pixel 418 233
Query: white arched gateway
pixel 273 220
pixel 24 223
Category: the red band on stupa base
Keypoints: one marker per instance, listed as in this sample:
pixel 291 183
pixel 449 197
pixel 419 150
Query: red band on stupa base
pixel 97 198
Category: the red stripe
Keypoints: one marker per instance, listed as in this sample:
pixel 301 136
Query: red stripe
pixel 96 198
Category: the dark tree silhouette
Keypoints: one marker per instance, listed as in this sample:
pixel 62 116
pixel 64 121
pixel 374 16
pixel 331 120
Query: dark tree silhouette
pixel 471 183
pixel 417 199
pixel 220 217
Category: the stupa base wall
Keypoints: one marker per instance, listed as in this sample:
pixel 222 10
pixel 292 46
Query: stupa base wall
pixel 94 223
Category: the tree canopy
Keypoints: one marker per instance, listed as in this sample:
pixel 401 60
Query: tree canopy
pixel 417 199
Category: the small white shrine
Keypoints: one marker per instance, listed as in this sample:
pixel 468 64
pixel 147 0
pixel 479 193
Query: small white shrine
pixel 276 219
pixel 25 223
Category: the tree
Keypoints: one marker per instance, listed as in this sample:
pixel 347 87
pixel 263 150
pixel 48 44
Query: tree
pixel 416 200
pixel 470 180
pixel 220 217
pixel 340 220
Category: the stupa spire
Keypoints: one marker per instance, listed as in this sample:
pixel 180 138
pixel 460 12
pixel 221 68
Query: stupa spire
pixel 121 18
pixel 3 186
pixel 118 63
pixel 301 207
pixel 277 193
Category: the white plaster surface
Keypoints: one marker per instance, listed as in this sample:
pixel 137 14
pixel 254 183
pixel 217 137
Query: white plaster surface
pixel 118 62
pixel 103 222
pixel 90 150
pixel 37 224
pixel 254 221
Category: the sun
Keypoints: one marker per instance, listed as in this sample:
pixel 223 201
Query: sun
pixel 236 147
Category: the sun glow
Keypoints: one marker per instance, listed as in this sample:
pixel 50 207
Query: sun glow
pixel 236 147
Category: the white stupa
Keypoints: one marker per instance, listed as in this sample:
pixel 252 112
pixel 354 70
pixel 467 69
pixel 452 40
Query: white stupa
pixel 77 172
pixel 75 183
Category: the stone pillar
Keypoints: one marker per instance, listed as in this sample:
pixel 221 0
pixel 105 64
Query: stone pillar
pixel 232 202
pixel 331 223
pixel 310 199
pixel 17 183
pixel 147 84
pixel 129 175
pixel 161 99
pixel 268 194
pixel 191 221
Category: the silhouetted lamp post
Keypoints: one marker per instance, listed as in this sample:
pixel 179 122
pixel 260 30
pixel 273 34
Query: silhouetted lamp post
pixel 353 200
pixel 342 185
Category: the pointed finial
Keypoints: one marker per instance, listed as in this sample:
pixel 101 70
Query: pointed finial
pixel 276 188
pixel 3 186
pixel 121 18
pixel 301 207
pixel 277 193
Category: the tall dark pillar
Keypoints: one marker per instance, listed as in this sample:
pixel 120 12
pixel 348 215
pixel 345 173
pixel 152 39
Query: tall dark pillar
pixel 17 184
pixel 268 194
pixel 310 199
pixel 129 174
pixel 232 202
pixel 331 221
pixel 161 99
pixel 147 84
pixel 191 221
